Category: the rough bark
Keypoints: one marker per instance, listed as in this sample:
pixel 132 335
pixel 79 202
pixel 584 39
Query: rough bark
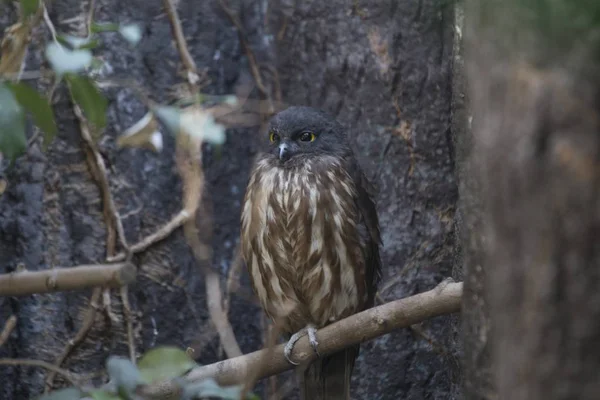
pixel 534 88
pixel 471 328
pixel 383 68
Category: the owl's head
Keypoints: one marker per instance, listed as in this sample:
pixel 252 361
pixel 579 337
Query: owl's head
pixel 300 133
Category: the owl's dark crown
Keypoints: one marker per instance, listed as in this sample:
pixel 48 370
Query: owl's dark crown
pixel 305 132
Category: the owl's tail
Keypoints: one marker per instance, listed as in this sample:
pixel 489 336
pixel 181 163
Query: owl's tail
pixel 328 378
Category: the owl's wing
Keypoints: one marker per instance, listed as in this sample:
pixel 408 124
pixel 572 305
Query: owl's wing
pixel 370 233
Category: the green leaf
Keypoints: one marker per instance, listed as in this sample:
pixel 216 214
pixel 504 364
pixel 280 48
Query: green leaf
pixel 78 43
pixel 103 395
pixel 169 116
pixel 63 394
pixel 38 106
pixel 29 7
pixel 104 27
pixel 210 388
pixel 123 373
pixel 62 60
pixel 12 125
pixel 85 93
pixel 164 362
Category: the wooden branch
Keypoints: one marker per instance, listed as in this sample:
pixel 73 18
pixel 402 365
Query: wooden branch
pixel 61 279
pixel 9 326
pixel 184 53
pixel 358 328
pixel 72 344
pixel 41 364
pixel 163 232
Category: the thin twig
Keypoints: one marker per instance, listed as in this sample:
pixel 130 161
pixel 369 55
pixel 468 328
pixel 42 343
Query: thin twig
pixel 163 232
pixel 186 57
pixel 242 36
pixel 101 177
pixel 189 163
pixel 88 322
pixel 8 328
pixel 107 304
pixel 42 364
pixel 233 278
pixel 90 18
pixel 114 222
pixel 129 319
pixel 50 25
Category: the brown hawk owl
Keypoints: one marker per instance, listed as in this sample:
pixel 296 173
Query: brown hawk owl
pixel 310 238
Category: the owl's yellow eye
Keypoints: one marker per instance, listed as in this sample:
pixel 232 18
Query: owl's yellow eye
pixel 273 137
pixel 307 137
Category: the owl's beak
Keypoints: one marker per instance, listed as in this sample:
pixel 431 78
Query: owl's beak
pixel 284 152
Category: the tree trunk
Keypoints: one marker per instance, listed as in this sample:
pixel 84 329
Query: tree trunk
pixel 383 68
pixel 534 87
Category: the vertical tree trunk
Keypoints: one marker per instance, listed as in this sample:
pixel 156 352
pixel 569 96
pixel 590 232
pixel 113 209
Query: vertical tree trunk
pixel 473 324
pixel 533 84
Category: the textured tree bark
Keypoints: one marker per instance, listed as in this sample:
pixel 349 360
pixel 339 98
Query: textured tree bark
pixel 382 67
pixel 472 326
pixel 534 81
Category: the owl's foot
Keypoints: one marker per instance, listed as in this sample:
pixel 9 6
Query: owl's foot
pixel 311 331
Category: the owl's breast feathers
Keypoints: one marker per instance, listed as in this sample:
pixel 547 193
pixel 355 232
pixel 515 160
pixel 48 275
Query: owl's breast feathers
pixel 306 243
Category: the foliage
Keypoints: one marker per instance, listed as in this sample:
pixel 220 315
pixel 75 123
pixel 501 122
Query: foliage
pixel 128 381
pixel 73 62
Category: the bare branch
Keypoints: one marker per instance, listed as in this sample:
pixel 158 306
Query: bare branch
pixel 190 168
pixel 61 279
pixel 88 322
pixel 129 318
pixel 249 54
pixel 42 364
pixel 186 57
pixel 98 167
pixel 358 328
pixel 8 328
pixel 155 237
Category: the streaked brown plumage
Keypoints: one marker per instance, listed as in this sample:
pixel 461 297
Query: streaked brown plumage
pixel 310 236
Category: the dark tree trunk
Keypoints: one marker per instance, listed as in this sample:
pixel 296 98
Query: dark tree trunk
pixel 383 68
pixel 534 87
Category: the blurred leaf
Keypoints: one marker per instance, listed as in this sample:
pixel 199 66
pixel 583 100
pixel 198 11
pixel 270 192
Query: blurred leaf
pixel 169 116
pixel 88 97
pixel 103 395
pixel 63 60
pixel 63 394
pixel 39 108
pixel 29 7
pixel 12 125
pixel 199 123
pixel 78 43
pixel 210 388
pixel 3 185
pixel 194 121
pixel 104 27
pixel 124 374
pixel 164 362
pixel 13 48
pixel 131 32
pixel 143 133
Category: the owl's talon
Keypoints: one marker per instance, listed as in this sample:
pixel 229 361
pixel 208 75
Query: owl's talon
pixel 287 351
pixel 311 331
pixel 312 339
